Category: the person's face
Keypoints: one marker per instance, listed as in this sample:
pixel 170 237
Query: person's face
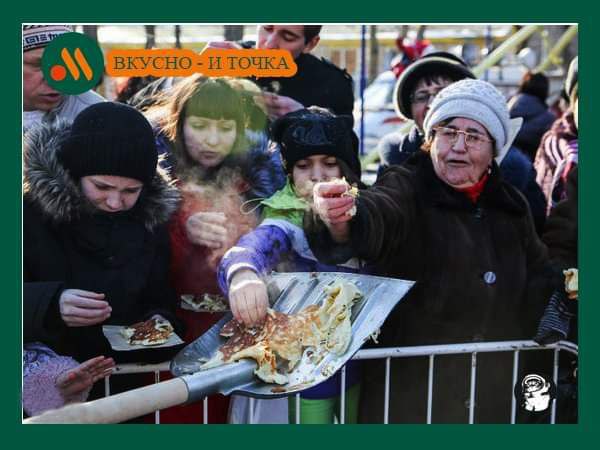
pixel 461 164
pixel 311 170
pixel 423 96
pixel 209 141
pixel 285 37
pixel 37 95
pixel 111 193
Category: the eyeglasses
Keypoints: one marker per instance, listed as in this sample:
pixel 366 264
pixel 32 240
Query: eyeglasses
pixel 450 136
pixel 423 97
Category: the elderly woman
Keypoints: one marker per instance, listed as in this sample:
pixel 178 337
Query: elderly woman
pixel 449 221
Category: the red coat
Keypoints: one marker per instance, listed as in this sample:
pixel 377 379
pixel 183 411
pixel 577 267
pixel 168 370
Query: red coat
pixel 194 267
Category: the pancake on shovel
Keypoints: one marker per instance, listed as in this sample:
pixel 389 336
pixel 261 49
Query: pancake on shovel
pixel 277 345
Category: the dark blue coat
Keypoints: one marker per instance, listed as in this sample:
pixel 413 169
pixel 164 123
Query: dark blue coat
pixel 537 119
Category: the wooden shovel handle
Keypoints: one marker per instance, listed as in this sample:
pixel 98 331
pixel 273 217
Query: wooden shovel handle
pixel 120 407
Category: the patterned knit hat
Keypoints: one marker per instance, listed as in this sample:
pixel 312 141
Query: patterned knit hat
pixel 37 36
pixel 480 101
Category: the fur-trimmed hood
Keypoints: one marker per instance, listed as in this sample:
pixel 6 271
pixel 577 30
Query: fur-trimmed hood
pixel 47 183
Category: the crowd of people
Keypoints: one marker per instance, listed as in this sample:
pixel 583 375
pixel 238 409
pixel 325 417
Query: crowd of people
pixel 205 185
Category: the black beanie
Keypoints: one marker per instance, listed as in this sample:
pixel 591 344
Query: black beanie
pixel 110 139
pixel 308 132
pixel 437 63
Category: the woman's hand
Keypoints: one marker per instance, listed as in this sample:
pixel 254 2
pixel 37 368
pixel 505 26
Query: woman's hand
pixel 73 382
pixel 207 229
pixel 80 308
pixel 334 208
pixel 248 297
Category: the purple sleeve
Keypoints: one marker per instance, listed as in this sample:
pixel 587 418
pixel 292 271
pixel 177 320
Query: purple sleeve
pixel 260 251
pixel 39 389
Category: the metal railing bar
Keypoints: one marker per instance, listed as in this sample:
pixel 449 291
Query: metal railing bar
pixel 251 408
pixel 430 388
pixel 473 387
pixel 386 404
pixel 513 403
pixel 455 349
pixel 398 352
pixel 343 397
pixel 157 412
pixel 555 378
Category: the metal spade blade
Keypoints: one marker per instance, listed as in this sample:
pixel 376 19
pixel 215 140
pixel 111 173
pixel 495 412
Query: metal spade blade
pixel 290 293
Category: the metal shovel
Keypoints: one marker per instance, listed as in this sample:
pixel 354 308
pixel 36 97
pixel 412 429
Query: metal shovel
pixel 293 292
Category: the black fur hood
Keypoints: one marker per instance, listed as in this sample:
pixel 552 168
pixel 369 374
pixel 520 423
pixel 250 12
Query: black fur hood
pixel 48 185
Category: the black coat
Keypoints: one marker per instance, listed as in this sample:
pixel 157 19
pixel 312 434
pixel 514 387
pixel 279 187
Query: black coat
pixel 317 82
pixel 560 234
pixel 481 275
pixel 537 119
pixel 69 244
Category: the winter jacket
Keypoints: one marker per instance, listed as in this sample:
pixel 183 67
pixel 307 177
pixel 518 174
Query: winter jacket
pixel 518 171
pixel 481 275
pixel 395 149
pixel 68 243
pixel 561 232
pixel 318 82
pixel 556 156
pixel 537 119
pixel 279 242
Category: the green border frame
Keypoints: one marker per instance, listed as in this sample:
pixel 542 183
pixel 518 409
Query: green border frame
pixel 376 11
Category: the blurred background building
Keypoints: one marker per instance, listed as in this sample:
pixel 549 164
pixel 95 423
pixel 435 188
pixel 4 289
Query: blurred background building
pixel 387 49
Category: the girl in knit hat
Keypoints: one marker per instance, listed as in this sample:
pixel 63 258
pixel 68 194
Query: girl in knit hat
pixel 316 146
pixel 95 242
pixel 213 134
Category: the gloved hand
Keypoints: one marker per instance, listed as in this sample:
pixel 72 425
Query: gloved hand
pixel 556 319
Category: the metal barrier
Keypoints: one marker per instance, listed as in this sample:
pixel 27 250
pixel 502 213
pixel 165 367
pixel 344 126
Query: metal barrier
pixel 431 351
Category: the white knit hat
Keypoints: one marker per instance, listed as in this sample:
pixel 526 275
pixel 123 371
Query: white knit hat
pixel 480 101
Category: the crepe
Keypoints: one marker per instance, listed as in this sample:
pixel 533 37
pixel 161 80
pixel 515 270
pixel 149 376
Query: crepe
pixel 351 191
pixel 571 283
pixel 151 332
pixel 278 344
